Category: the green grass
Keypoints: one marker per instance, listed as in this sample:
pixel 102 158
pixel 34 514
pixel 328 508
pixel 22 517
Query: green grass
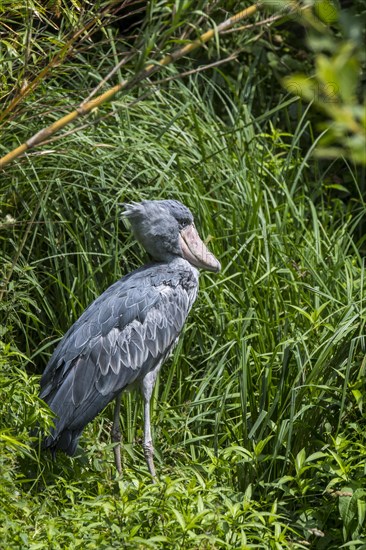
pixel 259 417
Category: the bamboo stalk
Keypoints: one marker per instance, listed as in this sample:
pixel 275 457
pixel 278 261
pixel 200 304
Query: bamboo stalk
pixel 85 107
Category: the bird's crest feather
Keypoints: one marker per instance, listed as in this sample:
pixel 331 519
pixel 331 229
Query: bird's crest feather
pixel 133 209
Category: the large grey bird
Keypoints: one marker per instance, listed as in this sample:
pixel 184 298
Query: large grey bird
pixel 122 339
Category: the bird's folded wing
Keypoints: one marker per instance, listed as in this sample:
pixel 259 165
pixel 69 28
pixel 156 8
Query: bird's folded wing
pixel 117 340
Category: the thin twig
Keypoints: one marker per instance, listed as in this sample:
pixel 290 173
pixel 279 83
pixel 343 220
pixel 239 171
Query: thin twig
pixel 197 70
pixel 256 24
pixel 105 79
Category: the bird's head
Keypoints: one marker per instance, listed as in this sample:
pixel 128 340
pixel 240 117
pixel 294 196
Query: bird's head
pixel 166 230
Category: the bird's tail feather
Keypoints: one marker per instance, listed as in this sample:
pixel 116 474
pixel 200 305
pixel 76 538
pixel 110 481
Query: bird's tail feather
pixel 66 441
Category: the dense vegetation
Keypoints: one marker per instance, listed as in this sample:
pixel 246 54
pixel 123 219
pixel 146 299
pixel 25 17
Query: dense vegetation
pixel 259 417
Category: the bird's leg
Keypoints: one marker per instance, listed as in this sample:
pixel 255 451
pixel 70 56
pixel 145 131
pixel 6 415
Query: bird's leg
pixel 147 387
pixel 116 435
pixel 148 444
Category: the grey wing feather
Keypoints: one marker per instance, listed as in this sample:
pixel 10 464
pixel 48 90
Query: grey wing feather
pixel 117 340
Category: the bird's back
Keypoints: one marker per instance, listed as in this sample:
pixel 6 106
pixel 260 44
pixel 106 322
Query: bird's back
pixel 118 339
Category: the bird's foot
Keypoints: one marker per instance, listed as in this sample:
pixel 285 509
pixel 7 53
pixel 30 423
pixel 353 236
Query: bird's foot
pixel 149 457
pixel 117 457
pixel 116 438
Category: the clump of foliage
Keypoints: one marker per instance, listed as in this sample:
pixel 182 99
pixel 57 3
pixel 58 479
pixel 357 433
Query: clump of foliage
pixel 334 83
pixel 259 416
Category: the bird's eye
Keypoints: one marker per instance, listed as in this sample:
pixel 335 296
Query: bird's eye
pixel 184 223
